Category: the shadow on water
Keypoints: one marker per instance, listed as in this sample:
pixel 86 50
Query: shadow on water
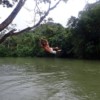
pixel 49 79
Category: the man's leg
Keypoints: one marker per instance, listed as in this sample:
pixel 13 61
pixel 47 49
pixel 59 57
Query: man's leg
pixel 56 48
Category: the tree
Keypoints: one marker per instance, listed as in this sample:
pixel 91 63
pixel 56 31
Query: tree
pixel 37 11
pixel 7 3
pixel 86 32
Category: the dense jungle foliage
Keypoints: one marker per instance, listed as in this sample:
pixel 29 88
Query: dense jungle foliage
pixel 81 38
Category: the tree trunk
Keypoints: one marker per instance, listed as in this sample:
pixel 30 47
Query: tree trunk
pixel 11 17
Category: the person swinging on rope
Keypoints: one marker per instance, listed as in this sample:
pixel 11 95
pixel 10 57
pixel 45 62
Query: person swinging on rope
pixel 45 45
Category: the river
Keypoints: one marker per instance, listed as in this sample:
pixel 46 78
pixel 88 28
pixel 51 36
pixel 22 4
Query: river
pixel 49 79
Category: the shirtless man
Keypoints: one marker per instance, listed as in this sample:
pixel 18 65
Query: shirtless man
pixel 45 45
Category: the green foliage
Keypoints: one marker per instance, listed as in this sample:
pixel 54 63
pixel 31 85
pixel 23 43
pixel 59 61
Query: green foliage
pixel 28 44
pixel 86 32
pixel 81 39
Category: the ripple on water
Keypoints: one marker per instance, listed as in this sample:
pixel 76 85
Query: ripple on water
pixel 53 82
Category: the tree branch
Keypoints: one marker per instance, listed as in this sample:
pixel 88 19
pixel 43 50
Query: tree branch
pixel 6 35
pixel 55 5
pixel 42 18
pixel 11 17
pixel 11 33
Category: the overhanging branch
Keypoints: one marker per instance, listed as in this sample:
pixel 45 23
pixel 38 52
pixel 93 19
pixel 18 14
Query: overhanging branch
pixel 42 18
pixel 6 35
pixel 11 33
pixel 11 17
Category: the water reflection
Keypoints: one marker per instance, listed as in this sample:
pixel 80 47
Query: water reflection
pixel 49 79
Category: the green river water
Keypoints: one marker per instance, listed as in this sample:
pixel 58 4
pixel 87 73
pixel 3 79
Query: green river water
pixel 49 79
